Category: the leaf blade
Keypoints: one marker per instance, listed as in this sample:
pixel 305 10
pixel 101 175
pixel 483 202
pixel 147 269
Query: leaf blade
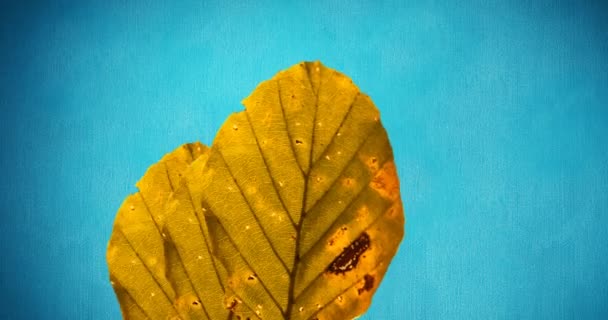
pixel 136 252
pixel 293 213
pixel 337 163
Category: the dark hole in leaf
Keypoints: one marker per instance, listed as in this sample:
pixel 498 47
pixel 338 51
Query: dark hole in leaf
pixel 349 258
pixel 299 141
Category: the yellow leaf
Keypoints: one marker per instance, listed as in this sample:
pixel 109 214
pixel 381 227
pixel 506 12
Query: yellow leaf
pixel 303 189
pixel 293 213
pixel 136 252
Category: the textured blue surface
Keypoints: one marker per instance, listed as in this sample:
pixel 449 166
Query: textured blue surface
pixel 498 115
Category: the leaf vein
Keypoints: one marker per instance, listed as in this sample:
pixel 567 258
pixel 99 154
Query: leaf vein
pixel 253 213
pixel 346 115
pixel 296 261
pixel 350 161
pixel 149 212
pixel 350 204
pixel 249 265
pixel 189 148
pixel 289 137
pixel 274 184
pixel 342 292
pixel 147 269
pixel 168 176
pixel 217 274
pixel 181 260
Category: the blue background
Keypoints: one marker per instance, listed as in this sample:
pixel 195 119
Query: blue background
pixel 498 115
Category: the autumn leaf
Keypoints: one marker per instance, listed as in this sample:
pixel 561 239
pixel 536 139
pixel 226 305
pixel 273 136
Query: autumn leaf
pixel 304 187
pixel 293 213
pixel 136 252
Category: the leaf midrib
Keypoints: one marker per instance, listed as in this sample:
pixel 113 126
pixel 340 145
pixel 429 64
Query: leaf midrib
pixel 296 260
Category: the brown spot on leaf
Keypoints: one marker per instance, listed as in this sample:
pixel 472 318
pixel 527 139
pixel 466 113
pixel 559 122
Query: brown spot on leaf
pixel 348 182
pixel 232 303
pixel 186 302
pixel 368 284
pixel 349 258
pixel 372 163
